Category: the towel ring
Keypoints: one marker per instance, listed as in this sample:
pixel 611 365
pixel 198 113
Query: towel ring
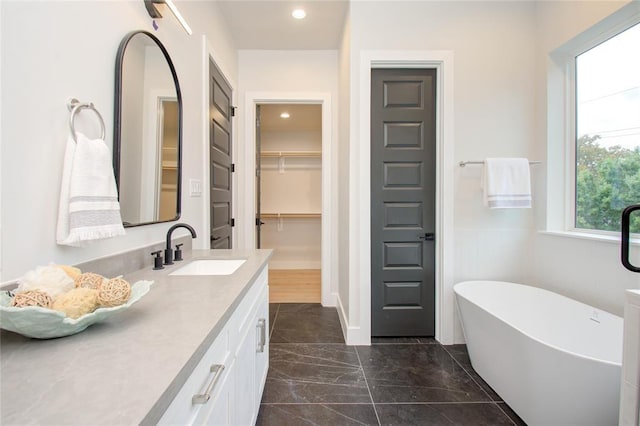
pixel 75 106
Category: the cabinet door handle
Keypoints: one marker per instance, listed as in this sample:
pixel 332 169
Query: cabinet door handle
pixel 202 398
pixel 262 325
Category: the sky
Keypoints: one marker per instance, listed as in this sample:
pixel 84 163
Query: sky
pixel 608 90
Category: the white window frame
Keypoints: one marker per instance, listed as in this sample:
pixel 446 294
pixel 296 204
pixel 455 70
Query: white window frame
pixel 561 125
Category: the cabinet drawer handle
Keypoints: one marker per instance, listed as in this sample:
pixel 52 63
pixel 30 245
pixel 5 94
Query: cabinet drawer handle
pixel 262 325
pixel 202 398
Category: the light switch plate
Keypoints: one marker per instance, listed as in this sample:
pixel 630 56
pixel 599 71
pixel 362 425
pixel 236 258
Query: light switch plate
pixel 195 188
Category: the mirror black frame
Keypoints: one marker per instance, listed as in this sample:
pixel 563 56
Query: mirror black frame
pixel 118 119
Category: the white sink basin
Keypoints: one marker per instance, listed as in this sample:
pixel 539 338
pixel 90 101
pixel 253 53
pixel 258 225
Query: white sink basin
pixel 210 267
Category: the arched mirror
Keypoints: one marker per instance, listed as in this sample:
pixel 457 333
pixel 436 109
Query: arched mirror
pixel 148 131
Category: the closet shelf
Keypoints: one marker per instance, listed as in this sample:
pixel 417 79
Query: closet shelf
pixel 289 215
pixel 291 154
pixel 169 187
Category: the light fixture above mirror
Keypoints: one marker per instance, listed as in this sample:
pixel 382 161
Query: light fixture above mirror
pixel 155 13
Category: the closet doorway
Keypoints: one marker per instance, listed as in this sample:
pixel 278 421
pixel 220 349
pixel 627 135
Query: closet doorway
pixel 289 198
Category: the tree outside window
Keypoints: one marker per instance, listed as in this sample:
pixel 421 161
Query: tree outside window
pixel 608 132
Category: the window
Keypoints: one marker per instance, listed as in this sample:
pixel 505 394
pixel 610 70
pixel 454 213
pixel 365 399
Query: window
pixel 607 130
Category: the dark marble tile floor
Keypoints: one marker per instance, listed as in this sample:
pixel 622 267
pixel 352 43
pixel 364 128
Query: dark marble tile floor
pixel 315 379
pixel 305 323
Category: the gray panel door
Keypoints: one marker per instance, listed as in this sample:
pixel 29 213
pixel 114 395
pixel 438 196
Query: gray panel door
pixel 220 168
pixel 403 189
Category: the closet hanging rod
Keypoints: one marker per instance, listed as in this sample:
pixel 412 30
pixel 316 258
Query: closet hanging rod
pixel 464 163
pixel 289 215
pixel 291 154
pixel 75 106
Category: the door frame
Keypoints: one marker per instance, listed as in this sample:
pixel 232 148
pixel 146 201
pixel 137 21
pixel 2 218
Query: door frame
pixel 329 248
pixel 359 330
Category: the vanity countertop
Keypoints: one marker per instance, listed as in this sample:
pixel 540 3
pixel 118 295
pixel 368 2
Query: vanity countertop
pixel 127 369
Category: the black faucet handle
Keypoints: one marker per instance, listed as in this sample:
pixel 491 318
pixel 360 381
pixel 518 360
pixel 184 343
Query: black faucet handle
pixel 157 260
pixel 168 256
pixel 178 253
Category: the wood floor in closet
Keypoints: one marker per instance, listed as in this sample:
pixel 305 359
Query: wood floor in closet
pixel 294 285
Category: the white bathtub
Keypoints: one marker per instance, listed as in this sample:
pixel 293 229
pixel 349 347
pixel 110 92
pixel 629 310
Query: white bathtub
pixel 554 360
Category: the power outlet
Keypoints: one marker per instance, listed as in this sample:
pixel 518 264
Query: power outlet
pixel 195 188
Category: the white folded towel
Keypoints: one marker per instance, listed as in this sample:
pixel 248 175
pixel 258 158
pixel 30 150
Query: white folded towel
pixel 89 207
pixel 507 183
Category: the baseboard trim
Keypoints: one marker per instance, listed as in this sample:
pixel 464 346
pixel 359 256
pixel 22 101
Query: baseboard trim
pixel 341 316
pixel 352 335
pixel 330 301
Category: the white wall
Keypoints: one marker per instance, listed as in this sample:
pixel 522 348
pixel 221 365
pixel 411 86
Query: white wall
pixel 586 270
pixel 55 50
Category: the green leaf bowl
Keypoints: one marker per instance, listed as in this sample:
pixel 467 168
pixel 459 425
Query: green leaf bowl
pixel 43 323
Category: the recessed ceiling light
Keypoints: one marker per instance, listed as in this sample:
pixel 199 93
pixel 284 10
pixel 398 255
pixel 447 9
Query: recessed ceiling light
pixel 285 115
pixel 299 14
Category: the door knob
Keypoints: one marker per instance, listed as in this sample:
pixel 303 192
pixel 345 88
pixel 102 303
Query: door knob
pixel 429 236
pixel 215 238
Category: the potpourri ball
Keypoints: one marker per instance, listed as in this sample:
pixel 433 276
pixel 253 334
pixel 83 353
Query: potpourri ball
pixel 114 292
pixel 32 298
pixel 89 280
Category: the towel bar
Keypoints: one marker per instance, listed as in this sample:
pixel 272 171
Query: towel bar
pixel 464 163
pixel 75 106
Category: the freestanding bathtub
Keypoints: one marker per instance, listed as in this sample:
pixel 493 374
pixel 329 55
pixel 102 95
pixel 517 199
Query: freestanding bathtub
pixel 554 360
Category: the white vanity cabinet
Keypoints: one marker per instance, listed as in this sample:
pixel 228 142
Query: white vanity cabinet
pixel 209 385
pixel 252 353
pixel 226 386
pixel 262 352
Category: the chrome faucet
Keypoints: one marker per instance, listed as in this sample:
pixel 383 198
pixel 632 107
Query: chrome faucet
pixel 168 251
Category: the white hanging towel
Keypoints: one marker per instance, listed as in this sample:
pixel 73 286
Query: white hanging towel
pixel 89 208
pixel 507 183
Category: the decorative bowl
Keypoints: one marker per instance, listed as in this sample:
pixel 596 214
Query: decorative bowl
pixel 43 323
